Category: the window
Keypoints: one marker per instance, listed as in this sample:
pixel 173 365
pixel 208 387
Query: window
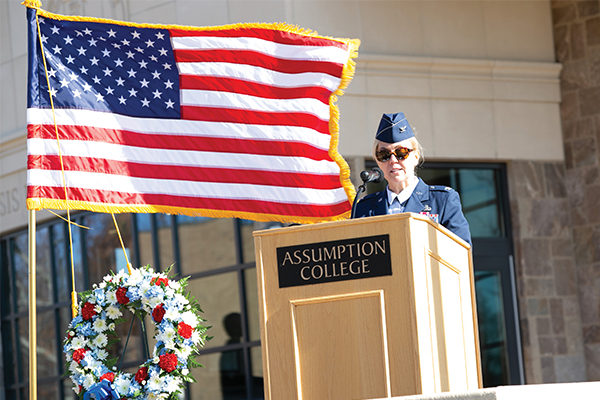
pixel 217 255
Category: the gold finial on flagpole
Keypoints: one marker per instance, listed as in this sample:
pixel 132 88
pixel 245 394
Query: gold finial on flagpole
pixel 32 3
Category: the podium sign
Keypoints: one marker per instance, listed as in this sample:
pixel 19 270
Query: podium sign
pixel 335 260
pixel 367 308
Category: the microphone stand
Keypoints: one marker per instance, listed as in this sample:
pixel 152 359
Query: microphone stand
pixel 366 178
pixel 361 189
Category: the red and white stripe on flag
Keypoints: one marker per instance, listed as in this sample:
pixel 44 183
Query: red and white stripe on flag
pixel 234 121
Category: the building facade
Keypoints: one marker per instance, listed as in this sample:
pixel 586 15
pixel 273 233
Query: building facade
pixel 505 98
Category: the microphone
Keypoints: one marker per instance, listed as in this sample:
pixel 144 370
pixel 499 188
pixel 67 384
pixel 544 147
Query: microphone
pixel 374 175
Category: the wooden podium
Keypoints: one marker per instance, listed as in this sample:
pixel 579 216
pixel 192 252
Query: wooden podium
pixel 366 308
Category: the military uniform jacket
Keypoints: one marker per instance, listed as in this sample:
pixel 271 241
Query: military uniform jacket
pixel 440 203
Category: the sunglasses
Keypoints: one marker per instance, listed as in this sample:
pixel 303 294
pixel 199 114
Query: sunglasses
pixel 400 152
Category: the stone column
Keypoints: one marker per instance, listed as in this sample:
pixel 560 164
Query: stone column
pixel 546 272
pixel 577 45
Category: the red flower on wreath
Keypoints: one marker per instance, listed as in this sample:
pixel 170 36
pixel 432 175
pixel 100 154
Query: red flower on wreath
pixel 78 355
pixel 141 375
pixel 184 330
pixel 109 376
pixel 158 281
pixel 168 362
pixel 122 295
pixel 88 310
pixel 158 313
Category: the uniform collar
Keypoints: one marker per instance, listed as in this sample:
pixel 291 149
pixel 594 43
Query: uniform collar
pixel 404 194
pixel 418 202
pixel 422 190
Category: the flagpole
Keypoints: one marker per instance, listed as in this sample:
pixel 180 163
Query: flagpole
pixel 32 310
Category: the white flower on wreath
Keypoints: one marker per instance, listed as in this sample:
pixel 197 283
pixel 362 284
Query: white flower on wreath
pixel 113 312
pixel 101 354
pixel 180 300
pixel 154 301
pixel 120 276
pixel 78 342
pixel 172 384
pixel 159 396
pixel 172 314
pixel 196 338
pixel 111 297
pixel 144 287
pixel 89 381
pixel 90 362
pixel 100 325
pixel 100 341
pixel 168 338
pixel 135 278
pixel 155 383
pixel 183 352
pixel 74 368
pixel 190 318
pixel 122 383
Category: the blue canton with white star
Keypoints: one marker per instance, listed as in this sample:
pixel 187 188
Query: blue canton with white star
pixel 108 67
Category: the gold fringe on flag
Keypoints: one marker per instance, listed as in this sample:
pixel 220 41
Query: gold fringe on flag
pixel 347 74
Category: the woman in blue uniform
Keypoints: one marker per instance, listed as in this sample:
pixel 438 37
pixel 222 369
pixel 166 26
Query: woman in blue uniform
pixel 398 153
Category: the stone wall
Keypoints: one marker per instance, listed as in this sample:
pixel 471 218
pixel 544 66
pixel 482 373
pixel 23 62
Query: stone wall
pixel 577 45
pixel 546 273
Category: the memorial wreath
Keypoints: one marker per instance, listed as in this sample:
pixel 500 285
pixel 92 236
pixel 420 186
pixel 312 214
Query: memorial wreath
pixel 178 334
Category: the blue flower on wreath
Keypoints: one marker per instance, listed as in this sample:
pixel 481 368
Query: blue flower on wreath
pixel 174 304
pixel 75 321
pixel 85 329
pixel 79 378
pixel 154 291
pixel 100 296
pixel 134 293
pixel 163 325
pixel 155 369
pixel 133 387
pixel 100 370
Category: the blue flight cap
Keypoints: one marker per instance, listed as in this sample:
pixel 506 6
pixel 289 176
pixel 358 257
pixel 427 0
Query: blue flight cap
pixel 394 128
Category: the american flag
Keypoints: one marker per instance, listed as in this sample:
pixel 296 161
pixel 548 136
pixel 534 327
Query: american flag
pixel 233 121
